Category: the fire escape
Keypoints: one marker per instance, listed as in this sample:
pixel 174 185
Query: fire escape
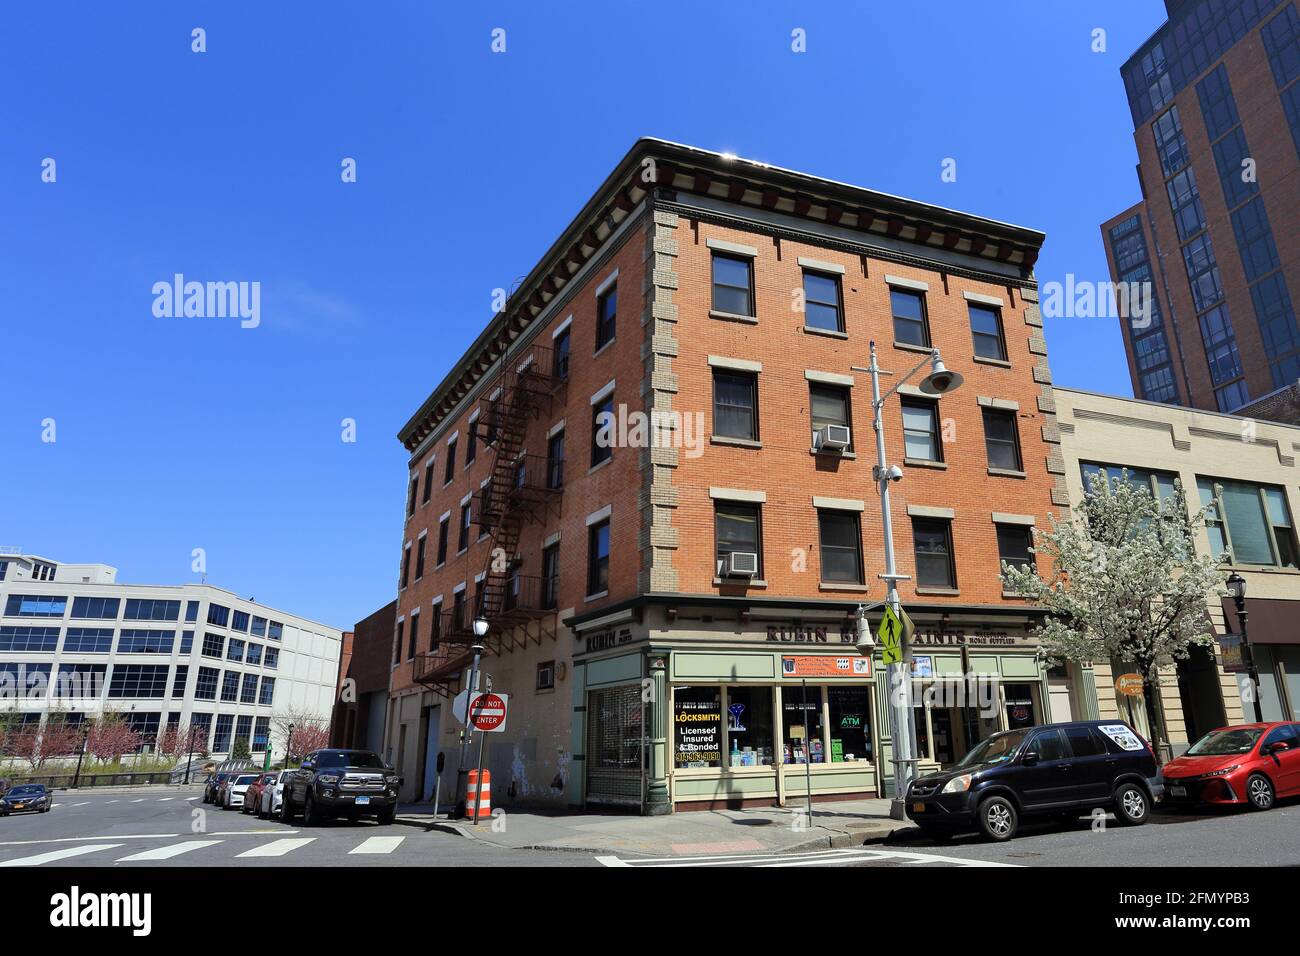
pixel 522 487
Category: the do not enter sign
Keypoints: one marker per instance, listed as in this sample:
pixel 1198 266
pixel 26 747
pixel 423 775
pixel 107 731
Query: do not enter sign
pixel 487 712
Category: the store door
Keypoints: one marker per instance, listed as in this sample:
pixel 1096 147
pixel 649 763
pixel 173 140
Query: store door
pixel 431 753
pixel 614 735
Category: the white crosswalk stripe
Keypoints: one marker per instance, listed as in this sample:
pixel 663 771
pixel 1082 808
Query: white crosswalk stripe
pixel 379 844
pixel 82 804
pixel 843 857
pixel 165 799
pixel 167 852
pixel 278 847
pixel 54 855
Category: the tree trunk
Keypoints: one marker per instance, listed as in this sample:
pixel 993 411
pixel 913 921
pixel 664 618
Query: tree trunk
pixel 1155 709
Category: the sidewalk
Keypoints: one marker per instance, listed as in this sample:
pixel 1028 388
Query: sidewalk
pixel 758 830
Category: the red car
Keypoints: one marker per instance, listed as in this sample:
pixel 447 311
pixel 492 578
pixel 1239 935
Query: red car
pixel 1250 764
pixel 253 795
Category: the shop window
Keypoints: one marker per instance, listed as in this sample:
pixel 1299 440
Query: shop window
pixel 805 734
pixel 749 727
pixel 697 717
pixel 850 709
pixel 1020 706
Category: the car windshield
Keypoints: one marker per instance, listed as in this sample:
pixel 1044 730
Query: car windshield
pixel 349 758
pixel 997 749
pixel 247 778
pixel 1224 743
pixel 28 791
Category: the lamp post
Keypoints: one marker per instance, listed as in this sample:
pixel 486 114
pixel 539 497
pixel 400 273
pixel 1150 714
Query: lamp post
pixel 462 773
pixel 940 381
pixel 189 754
pixel 1237 588
pixel 85 739
pixel 288 746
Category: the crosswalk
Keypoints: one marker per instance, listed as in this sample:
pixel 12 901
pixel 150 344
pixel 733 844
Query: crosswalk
pixel 274 849
pixel 853 856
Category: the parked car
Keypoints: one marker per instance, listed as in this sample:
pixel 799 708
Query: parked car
pixel 1245 764
pixel 1060 770
pixel 213 786
pixel 26 798
pixel 233 790
pixel 253 795
pixel 352 783
pixel 272 796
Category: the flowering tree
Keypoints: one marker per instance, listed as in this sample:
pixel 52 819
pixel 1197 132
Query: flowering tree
pixel 110 738
pixel 175 741
pixel 1126 582
pixel 309 733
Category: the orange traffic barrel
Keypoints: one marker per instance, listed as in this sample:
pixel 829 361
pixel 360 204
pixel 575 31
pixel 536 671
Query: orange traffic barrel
pixel 478 798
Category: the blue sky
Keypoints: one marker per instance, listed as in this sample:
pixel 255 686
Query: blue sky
pixel 181 433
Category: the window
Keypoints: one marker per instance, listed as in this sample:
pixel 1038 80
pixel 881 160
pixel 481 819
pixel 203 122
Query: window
pixel 88 640
pixel 1014 542
pixel 230 685
pixel 397 644
pixel 414 637
pixel 697 717
pixel 213 645
pixel 1084 742
pixel 546 675
pixel 1001 440
pixel 462 540
pixel 131 641
pixel 205 687
pixel 606 314
pixel 804 732
pixel 934 566
pixel 410 496
pixel 471 443
pixel 828 405
pixel 86 681
pixel 248 689
pixel 277 629
pixel 259 627
pixel 218 615
pixel 435 626
pixel 235 650
pixel 555 460
pixel 271 658
pixel 986 330
pixel 551 576
pixel 29 638
pixel 261 734
pixel 561 347
pixel 910 325
pixel 841 547
pixel 602 430
pixel 254 654
pixel 419 556
pixel 35 605
pixel 1047 745
pixel 749 727
pixel 737 527
pixel 598 558
pixel 428 482
pixel 449 472
pixel 239 622
pixel 191 612
pixel 221 736
pixel 138 680
pixel 1250 522
pixel 921 430
pixel 144 609
pixel 735 404
pixel 187 643
pixel 850 709
pixel 178 682
pixel 733 285
pixel 146 725
pixel 406 566
pixel 443 530
pixel 458 622
pixel 99 608
pixel 822 309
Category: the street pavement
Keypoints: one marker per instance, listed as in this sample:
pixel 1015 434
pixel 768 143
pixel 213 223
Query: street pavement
pixel 170 828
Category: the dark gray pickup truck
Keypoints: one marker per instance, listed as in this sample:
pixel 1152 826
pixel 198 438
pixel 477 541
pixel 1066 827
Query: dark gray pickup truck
pixel 347 783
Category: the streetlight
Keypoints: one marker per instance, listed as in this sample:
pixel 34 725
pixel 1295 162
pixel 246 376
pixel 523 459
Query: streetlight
pixel 462 773
pixel 288 746
pixel 940 381
pixel 1237 588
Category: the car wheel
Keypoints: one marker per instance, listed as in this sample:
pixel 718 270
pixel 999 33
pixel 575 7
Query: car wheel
pixel 286 810
pixel 310 816
pixel 386 817
pixel 1259 792
pixel 1131 805
pixel 998 819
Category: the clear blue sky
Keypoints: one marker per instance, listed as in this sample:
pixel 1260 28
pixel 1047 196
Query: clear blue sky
pixel 174 433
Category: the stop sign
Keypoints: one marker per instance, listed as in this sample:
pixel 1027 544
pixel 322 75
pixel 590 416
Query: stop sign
pixel 487 712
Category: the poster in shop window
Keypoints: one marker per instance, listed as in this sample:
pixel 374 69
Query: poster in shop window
pixel 698 722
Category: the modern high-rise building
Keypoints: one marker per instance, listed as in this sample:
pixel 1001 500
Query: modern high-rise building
pixel 1215 100
pixel 76 644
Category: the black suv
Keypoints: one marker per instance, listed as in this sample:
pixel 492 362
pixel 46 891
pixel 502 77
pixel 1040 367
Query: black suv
pixel 1061 770
pixel 351 783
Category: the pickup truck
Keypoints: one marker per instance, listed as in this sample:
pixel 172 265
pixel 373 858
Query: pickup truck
pixel 349 783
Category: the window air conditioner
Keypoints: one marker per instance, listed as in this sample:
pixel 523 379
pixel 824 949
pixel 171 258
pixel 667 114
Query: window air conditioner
pixel 741 564
pixel 833 437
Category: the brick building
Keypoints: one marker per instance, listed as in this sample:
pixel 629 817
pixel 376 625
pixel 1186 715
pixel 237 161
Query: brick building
pixel 1216 114
pixel 362 694
pixel 693 584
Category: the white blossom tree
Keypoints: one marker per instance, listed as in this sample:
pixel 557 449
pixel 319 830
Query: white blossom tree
pixel 1126 582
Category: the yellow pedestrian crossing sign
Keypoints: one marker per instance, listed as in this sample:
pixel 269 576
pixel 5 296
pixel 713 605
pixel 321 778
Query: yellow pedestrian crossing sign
pixel 890 637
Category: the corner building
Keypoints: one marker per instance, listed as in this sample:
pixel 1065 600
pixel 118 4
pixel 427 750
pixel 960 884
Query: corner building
pixel 674 621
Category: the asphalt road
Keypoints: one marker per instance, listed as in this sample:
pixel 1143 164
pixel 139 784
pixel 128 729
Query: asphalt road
pixel 174 828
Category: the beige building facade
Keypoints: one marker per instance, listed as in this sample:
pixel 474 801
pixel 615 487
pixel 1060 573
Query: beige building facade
pixel 1245 472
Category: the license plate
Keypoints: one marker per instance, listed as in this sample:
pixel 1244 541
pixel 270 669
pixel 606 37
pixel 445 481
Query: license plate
pixel 1178 791
pixel 918 808
pixel 363 800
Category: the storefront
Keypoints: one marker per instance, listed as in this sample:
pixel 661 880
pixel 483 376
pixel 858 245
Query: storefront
pixel 757 713
pixel 1275 645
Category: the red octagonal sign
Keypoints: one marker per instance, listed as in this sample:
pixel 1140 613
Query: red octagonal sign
pixel 488 712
